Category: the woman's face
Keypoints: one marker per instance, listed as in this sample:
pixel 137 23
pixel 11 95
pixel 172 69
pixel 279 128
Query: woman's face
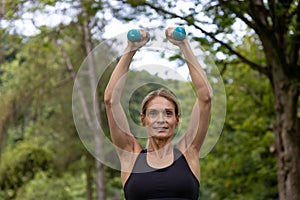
pixel 160 118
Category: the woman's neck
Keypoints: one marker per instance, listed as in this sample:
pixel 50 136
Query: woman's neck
pixel 159 148
pixel 159 156
pixel 158 144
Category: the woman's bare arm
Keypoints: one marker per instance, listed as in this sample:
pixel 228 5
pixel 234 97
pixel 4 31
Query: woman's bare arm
pixel 118 123
pixel 199 120
pixel 201 112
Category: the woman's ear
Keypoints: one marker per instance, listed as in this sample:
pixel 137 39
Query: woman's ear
pixel 177 119
pixel 142 117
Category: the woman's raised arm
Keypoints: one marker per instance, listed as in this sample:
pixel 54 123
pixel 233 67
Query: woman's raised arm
pixel 118 123
pixel 199 120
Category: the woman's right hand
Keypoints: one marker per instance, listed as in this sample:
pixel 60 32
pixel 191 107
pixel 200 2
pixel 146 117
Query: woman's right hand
pixel 133 46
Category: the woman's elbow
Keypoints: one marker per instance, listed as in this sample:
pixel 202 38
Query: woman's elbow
pixel 209 97
pixel 107 97
pixel 206 97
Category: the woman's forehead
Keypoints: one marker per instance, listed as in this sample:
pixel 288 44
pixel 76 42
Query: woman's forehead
pixel 160 103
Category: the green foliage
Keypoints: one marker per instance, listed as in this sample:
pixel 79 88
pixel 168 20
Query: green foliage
pixel 243 165
pixel 19 165
pixel 43 187
pixel 114 189
pixel 248 168
pixel 135 3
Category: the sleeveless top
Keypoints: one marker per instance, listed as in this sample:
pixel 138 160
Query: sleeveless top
pixel 176 182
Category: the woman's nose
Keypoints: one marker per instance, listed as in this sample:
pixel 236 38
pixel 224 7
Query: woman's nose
pixel 161 117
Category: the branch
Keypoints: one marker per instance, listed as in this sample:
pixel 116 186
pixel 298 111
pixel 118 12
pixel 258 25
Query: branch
pixel 259 13
pixel 222 71
pixel 2 11
pixel 255 66
pixel 294 52
pixel 79 89
pixel 236 10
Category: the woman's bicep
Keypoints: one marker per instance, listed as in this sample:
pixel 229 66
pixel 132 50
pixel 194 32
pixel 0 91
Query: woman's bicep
pixel 119 127
pixel 197 127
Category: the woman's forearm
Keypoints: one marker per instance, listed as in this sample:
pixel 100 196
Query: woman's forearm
pixel 116 83
pixel 199 79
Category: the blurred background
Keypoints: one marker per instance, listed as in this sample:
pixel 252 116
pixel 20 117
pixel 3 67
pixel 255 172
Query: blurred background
pixel 253 43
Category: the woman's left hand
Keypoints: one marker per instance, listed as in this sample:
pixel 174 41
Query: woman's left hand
pixel 169 34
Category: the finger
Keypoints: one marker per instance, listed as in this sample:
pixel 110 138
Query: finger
pixel 168 32
pixel 171 30
pixel 142 31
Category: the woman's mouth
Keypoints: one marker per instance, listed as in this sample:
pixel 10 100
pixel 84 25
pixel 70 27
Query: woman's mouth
pixel 160 129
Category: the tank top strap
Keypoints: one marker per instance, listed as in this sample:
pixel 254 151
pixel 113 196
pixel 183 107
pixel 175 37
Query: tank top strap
pixel 177 154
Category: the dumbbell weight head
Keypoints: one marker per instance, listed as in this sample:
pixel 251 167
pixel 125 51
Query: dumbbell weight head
pixel 134 35
pixel 179 33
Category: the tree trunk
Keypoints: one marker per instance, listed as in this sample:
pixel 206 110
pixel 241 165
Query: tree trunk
pixel 100 190
pixel 286 125
pixel 89 179
pixel 287 140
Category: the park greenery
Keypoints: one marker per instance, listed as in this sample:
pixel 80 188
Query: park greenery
pixel 41 153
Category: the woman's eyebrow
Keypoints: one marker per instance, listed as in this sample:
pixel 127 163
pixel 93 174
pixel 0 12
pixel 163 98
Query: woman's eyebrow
pixel 166 109
pixel 169 109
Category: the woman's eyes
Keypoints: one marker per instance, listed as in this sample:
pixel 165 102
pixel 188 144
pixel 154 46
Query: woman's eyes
pixel 168 113
pixel 155 113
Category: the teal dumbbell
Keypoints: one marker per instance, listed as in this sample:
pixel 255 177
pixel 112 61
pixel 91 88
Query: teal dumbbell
pixel 179 33
pixel 134 35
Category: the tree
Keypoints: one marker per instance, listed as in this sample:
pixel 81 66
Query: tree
pixel 84 20
pixel 277 27
pixel 38 188
pixel 245 150
pixel 20 165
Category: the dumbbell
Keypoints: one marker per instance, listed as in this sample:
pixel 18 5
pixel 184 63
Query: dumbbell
pixel 179 33
pixel 134 35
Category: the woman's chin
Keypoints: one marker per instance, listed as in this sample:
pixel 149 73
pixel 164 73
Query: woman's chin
pixel 161 135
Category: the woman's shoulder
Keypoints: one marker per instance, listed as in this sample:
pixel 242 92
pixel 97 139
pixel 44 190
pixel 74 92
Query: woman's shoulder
pixel 192 158
pixel 190 154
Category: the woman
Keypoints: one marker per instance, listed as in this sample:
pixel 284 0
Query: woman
pixel 161 171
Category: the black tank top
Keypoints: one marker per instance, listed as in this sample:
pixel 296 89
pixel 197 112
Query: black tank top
pixel 176 182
